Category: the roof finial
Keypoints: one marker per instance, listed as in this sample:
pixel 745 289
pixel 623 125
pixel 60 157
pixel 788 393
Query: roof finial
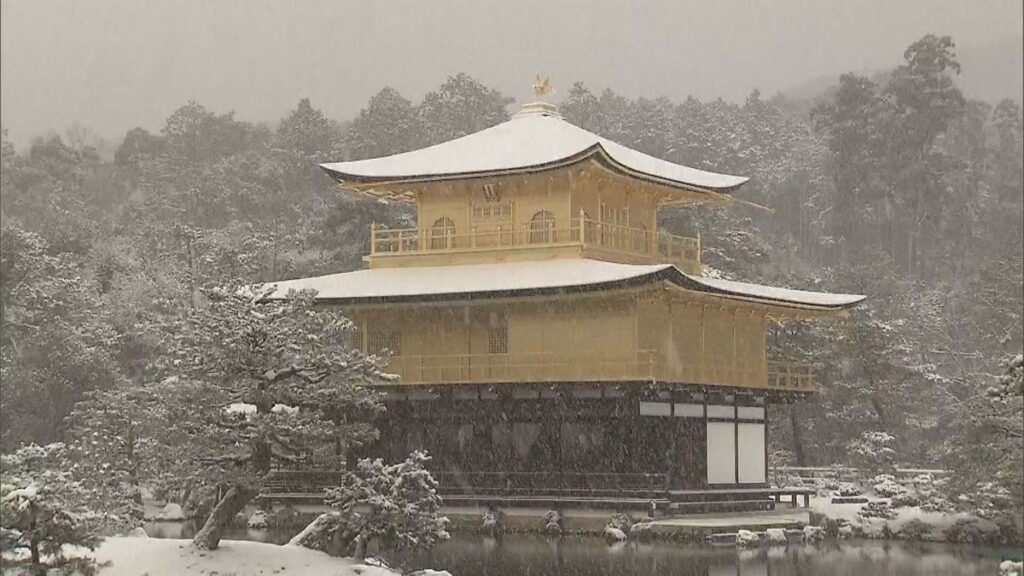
pixel 542 86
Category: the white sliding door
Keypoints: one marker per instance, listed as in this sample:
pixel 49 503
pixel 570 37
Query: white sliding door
pixel 751 446
pixel 722 452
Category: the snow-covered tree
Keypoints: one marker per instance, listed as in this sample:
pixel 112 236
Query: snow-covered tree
pixel 113 449
pixel 42 513
pixel 394 505
pixel 257 382
pixel 461 106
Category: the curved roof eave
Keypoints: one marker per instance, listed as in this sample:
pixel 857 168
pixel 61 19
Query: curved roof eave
pixel 597 151
pixel 754 293
pixel 765 294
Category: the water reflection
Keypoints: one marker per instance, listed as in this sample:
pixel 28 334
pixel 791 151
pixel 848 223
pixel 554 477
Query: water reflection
pixel 527 555
pixel 515 555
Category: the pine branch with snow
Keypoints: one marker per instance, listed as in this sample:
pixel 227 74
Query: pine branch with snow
pixel 42 511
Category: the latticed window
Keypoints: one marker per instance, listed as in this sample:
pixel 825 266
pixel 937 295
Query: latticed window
pixel 388 339
pixel 542 228
pixel 442 234
pixel 493 213
pixel 497 341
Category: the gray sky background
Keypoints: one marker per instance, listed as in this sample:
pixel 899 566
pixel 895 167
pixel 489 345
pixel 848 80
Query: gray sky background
pixel 110 65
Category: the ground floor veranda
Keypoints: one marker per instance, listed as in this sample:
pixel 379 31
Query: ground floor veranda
pixel 640 439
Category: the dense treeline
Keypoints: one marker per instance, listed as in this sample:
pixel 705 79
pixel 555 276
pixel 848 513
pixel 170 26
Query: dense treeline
pixel 896 187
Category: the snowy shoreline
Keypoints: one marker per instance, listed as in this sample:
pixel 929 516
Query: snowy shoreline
pixel 130 556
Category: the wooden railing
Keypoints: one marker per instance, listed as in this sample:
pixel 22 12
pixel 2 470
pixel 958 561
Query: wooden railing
pixel 629 241
pixel 641 365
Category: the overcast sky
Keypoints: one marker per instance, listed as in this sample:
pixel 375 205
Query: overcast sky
pixel 114 64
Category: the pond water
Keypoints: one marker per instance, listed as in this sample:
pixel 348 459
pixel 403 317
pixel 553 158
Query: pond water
pixel 527 555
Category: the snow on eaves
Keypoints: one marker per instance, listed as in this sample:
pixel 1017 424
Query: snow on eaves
pixel 431 282
pixel 824 299
pixel 526 142
pixel 439 283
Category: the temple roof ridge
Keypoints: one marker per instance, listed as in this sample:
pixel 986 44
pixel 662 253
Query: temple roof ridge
pixel 536 138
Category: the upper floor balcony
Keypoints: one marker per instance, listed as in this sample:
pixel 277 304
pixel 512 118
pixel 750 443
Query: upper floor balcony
pixel 642 365
pixel 538 239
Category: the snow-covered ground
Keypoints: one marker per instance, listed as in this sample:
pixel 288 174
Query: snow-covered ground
pixel 155 556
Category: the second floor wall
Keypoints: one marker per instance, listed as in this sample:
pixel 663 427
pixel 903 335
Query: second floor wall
pixel 628 337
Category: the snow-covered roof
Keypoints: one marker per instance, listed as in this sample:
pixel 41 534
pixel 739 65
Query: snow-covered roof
pixel 438 283
pixel 535 139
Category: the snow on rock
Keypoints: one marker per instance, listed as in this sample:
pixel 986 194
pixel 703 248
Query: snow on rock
pixel 134 556
pixel 553 522
pixel 1011 568
pixel 241 408
pixel 614 534
pixel 249 409
pixel 747 539
pixel 813 534
pixel 491 521
pixel 171 512
pixel 137 532
pixel 845 531
pixel 641 531
pixel 258 520
pixel 775 536
pixel 429 572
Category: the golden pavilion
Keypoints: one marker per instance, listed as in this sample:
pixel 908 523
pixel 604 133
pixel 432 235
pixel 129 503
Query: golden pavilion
pixel 552 346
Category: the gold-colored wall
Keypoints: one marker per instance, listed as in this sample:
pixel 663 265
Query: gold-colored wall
pixel 563 192
pixel 635 336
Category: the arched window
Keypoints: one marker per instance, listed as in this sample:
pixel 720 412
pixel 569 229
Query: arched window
pixel 542 228
pixel 442 234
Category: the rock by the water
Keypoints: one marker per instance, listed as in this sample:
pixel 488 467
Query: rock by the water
pixel 746 538
pixel 553 522
pixel 775 536
pixel 137 532
pixel 813 533
pixel 491 522
pixel 794 536
pixel 258 520
pixel 845 531
pixel 614 534
pixel 1011 568
pixel 722 539
pixel 641 531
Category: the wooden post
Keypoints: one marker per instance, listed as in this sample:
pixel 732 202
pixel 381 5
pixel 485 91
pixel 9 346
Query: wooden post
pixel 703 343
pixel 735 371
pixel 373 238
pixel 583 227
